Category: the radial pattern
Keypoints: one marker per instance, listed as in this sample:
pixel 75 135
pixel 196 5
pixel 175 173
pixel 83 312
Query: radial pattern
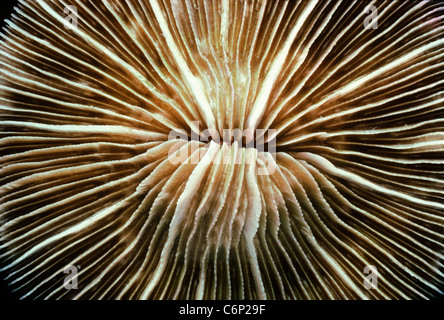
pixel 90 176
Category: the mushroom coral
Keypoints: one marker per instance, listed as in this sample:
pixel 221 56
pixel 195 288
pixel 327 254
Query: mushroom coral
pixel 87 172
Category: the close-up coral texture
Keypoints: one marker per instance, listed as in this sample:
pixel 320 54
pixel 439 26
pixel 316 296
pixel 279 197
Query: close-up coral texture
pixel 116 159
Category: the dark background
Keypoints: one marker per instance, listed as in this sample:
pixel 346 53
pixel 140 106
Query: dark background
pixel 6 8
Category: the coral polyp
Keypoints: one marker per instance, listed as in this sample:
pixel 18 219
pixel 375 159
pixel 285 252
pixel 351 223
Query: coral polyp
pixel 350 120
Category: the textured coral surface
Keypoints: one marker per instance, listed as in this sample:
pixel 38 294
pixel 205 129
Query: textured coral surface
pixel 87 179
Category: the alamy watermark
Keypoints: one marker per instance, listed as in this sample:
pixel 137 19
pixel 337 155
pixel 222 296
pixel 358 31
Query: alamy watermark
pixel 371 21
pixel 70 281
pixel 71 18
pixel 371 281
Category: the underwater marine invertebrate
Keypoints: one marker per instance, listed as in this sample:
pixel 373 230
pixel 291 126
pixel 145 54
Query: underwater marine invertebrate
pixel 87 176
